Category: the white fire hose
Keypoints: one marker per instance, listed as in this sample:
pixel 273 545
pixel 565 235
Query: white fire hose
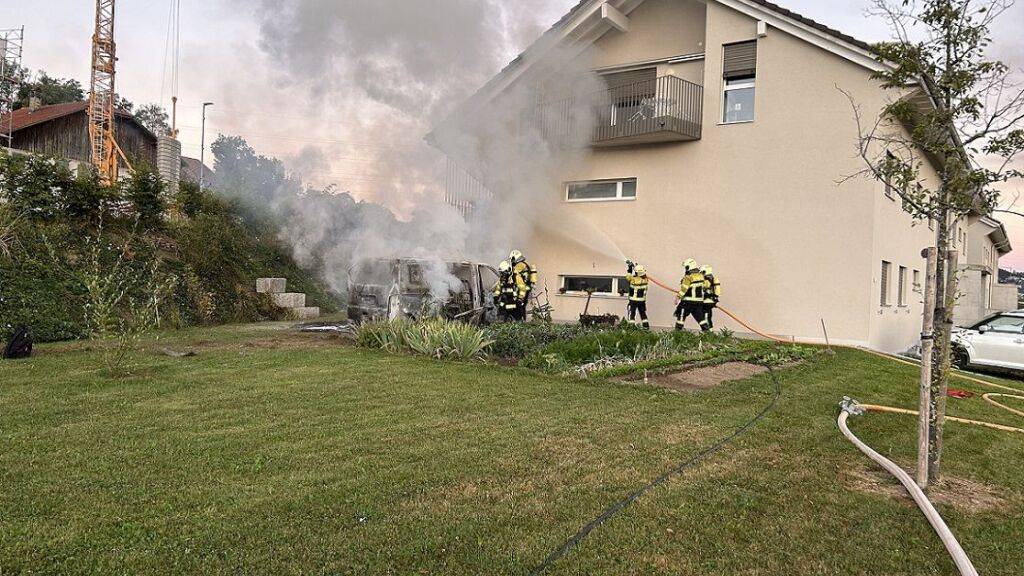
pixel 963 563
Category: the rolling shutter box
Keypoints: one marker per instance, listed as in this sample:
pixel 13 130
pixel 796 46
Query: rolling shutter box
pixel 619 79
pixel 740 60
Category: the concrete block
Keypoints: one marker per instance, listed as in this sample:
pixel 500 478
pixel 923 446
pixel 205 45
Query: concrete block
pixel 305 313
pixel 289 300
pixel 270 285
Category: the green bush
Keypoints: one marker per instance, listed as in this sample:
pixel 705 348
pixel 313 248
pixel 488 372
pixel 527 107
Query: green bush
pixel 517 340
pixel 211 256
pixel 145 190
pixel 437 338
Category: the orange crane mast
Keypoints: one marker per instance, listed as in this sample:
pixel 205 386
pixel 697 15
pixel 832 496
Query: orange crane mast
pixel 102 95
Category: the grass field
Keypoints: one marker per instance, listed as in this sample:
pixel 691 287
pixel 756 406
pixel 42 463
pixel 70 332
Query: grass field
pixel 277 453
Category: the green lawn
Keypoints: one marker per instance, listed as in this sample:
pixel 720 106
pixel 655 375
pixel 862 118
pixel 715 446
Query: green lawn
pixel 272 453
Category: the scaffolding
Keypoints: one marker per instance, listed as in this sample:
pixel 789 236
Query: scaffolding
pixel 11 43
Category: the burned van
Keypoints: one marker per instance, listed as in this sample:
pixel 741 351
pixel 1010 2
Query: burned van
pixel 411 288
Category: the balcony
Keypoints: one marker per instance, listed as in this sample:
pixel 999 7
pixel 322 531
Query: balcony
pixel 664 109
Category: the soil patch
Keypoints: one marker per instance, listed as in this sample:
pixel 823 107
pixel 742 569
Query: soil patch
pixel 706 377
pixel 962 494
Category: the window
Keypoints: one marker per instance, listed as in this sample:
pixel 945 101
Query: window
pixel 901 287
pixel 917 281
pixel 1007 324
pixel 599 285
pixel 601 190
pixel 886 266
pixel 631 93
pixel 890 190
pixel 739 70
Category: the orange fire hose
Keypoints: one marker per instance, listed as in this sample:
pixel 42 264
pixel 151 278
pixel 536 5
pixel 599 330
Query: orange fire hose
pixel 727 313
pixel 987 397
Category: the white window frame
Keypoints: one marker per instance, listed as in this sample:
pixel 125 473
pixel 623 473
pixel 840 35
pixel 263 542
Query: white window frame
pixel 726 88
pixel 618 190
pixel 616 287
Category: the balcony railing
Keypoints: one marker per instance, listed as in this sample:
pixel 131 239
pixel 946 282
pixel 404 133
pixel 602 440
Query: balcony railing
pixel 665 109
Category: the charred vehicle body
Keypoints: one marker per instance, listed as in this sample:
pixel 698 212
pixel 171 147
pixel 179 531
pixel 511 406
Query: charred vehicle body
pixel 408 288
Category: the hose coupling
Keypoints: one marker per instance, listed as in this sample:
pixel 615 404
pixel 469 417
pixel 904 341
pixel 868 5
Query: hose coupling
pixel 851 406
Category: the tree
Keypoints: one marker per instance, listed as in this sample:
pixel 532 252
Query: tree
pixel 49 90
pixel 145 190
pixel 958 110
pixel 154 118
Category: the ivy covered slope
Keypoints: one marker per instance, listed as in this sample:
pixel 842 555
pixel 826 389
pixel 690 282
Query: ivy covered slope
pixel 209 250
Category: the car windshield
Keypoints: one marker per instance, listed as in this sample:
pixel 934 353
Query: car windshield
pixel 998 323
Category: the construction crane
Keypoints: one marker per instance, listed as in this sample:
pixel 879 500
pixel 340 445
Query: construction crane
pixel 102 96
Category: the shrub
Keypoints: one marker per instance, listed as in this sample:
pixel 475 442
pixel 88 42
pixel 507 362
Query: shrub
pixel 145 190
pixel 517 340
pixel 122 301
pixel 437 338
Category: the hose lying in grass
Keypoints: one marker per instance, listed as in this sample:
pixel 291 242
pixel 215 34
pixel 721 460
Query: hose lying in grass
pixel 632 497
pixel 1017 394
pixel 963 563
pixel 989 398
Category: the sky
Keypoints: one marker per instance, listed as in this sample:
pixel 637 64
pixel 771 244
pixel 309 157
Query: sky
pixel 344 90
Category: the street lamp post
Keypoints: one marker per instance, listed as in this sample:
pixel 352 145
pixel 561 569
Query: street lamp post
pixel 202 146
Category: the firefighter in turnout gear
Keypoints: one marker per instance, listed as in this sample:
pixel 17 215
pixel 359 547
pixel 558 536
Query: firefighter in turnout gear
pixel 691 297
pixel 638 285
pixel 712 293
pixel 509 294
pixel 527 272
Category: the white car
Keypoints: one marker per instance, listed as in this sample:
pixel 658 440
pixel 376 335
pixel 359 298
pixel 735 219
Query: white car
pixel 997 342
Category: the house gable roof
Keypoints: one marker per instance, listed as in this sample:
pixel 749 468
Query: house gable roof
pixel 23 118
pixel 583 25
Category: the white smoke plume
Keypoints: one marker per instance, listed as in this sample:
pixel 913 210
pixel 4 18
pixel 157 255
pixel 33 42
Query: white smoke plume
pixel 400 68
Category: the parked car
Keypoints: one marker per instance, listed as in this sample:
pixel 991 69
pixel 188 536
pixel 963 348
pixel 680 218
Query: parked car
pixel 399 288
pixel 997 342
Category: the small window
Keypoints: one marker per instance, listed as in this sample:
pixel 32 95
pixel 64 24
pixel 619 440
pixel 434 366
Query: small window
pixel 917 281
pixel 886 267
pixel 739 71
pixel 599 285
pixel 901 287
pixel 601 190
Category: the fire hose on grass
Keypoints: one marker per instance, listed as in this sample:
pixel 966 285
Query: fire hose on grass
pixel 851 407
pixel 963 563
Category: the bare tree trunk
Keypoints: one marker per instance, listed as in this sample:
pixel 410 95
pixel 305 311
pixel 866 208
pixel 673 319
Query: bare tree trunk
pixel 942 341
pixel 927 346
pixel 945 359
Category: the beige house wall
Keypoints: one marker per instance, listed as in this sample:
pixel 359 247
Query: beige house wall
pixel 667 28
pixel 758 201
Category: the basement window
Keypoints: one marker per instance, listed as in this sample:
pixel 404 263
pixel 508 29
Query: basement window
pixel 601 190
pixel 599 285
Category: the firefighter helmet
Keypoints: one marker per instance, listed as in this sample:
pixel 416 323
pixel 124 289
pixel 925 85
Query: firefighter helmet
pixel 690 264
pixel 504 267
pixel 706 270
pixel 640 270
pixel 515 257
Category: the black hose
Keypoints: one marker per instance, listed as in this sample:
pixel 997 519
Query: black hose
pixel 632 497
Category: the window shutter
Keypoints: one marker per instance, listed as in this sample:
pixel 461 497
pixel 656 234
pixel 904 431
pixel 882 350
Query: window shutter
pixel 619 79
pixel 885 283
pixel 740 60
